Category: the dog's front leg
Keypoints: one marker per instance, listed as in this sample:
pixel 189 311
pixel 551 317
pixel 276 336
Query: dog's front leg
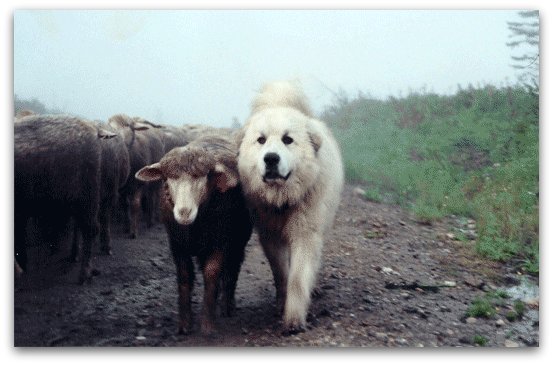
pixel 304 264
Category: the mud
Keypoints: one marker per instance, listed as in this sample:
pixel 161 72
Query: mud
pixel 386 281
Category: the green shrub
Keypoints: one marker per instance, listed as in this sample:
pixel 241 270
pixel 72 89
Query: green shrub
pixel 480 340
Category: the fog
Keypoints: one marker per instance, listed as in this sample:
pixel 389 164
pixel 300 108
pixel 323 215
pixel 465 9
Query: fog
pixel 192 66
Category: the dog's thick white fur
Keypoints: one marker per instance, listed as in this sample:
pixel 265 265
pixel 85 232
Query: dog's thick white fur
pixel 291 170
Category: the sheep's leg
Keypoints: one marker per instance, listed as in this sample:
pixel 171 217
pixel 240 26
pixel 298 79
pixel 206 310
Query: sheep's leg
pixel 278 255
pixel 88 224
pixel 104 216
pixel 75 243
pixel 152 202
pixel 125 208
pixel 211 269
pixel 20 225
pixel 230 277
pixel 304 264
pixel 185 282
pixel 135 212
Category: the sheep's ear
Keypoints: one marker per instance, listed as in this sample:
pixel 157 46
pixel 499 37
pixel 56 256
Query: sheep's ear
pixel 105 134
pixel 139 126
pixel 225 179
pixel 150 173
pixel 238 136
pixel 315 140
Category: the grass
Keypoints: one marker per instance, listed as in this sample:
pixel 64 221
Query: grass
pixel 481 308
pixel 480 340
pixel 473 154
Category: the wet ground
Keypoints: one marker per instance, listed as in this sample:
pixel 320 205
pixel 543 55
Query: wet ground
pixel 386 281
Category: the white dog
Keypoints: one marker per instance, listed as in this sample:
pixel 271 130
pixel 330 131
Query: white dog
pixel 292 174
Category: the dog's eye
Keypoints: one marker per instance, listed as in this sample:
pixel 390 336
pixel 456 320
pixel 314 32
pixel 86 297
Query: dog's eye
pixel 287 140
pixel 261 140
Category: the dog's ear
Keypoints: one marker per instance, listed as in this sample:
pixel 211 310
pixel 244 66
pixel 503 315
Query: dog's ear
pixel 224 177
pixel 315 140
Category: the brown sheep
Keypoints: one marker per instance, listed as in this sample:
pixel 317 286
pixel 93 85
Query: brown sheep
pixel 205 215
pixel 57 161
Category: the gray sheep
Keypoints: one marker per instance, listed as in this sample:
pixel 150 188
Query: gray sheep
pixel 114 173
pixel 205 216
pixel 57 161
pixel 144 147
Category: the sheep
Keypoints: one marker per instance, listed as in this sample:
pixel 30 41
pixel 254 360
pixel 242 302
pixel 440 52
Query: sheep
pixel 57 161
pixel 144 148
pixel 23 113
pixel 204 213
pixel 173 137
pixel 115 168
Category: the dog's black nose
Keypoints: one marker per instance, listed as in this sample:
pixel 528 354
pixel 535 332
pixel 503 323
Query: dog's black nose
pixel 271 159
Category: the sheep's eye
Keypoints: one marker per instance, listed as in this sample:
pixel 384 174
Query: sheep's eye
pixel 261 140
pixel 287 140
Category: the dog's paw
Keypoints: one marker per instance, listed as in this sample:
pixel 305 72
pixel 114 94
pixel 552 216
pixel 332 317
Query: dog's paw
pixel 292 329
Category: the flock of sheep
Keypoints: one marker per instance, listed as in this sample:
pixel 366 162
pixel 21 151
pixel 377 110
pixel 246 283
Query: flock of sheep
pixel 70 168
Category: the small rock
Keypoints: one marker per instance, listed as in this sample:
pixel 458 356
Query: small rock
pixel 140 338
pixel 500 323
pixel 387 270
pixel 449 332
pixel 450 236
pixel 368 299
pixel 140 323
pixel 471 235
pixel 511 280
pixel 359 191
pixel 471 320
pixel 381 336
pixel 402 342
pixel 533 303
pixel 529 341
pixel 324 313
pixel 510 343
pixel 419 345
pixel 474 282
pixel 401 223
pixel 450 283
pixel 405 295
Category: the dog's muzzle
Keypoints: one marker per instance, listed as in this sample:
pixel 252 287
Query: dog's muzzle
pixel 272 160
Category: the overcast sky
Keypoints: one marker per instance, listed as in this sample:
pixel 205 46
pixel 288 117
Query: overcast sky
pixel 204 66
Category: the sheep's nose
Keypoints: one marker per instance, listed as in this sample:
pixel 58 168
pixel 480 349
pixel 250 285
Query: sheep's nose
pixel 271 159
pixel 184 212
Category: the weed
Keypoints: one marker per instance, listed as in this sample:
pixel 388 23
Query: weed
pixel 481 307
pixel 480 340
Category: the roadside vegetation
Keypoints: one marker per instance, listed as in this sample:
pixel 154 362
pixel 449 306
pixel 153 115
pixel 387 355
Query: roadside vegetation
pixel 474 154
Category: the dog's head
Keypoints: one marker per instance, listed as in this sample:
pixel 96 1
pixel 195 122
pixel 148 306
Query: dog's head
pixel 278 155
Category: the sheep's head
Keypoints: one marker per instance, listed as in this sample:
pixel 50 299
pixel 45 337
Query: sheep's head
pixel 191 175
pixel 124 122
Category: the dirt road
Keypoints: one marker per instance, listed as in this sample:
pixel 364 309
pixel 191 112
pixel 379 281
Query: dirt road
pixel 386 280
